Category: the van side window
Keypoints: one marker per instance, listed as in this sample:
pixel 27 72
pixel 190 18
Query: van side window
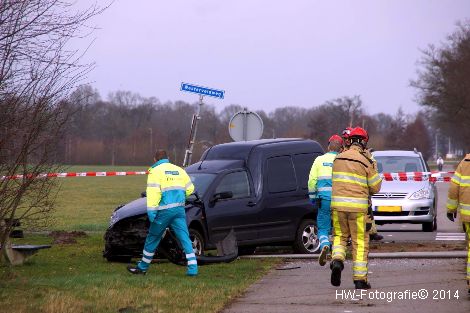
pixel 303 163
pixel 237 183
pixel 281 175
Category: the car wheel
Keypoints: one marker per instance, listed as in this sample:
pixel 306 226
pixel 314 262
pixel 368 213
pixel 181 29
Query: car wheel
pixel 197 240
pixel 306 239
pixel 428 227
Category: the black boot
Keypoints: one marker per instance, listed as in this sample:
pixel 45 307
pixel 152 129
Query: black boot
pixel 361 284
pixel 135 270
pixel 336 267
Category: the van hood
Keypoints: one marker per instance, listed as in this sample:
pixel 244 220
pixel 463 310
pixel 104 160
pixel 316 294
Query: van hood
pixel 134 208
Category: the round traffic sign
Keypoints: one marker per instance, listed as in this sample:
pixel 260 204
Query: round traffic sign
pixel 245 125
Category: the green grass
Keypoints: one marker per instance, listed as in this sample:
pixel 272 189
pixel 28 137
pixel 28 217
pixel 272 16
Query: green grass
pixel 86 203
pixel 75 278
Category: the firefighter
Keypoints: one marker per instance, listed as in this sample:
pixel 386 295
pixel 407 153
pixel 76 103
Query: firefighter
pixel 459 199
pixel 168 186
pixel 319 187
pixel 345 135
pixel 371 226
pixel 354 179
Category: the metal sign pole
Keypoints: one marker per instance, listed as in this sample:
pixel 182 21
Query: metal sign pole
pixel 245 123
pixel 192 134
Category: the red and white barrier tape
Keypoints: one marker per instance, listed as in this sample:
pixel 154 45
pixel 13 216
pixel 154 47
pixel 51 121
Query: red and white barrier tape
pixel 401 176
pixel 75 174
pixel 417 176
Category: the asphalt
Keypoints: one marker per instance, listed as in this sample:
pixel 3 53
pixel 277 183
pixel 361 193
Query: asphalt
pixel 401 282
pixel 373 255
pixel 304 286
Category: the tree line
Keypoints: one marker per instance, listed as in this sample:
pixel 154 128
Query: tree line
pixel 127 128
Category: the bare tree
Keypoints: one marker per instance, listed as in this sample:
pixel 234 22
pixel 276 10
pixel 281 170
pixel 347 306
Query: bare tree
pixel 443 84
pixel 37 71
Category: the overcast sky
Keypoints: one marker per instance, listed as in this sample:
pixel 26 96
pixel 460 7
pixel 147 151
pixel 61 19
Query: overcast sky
pixel 269 54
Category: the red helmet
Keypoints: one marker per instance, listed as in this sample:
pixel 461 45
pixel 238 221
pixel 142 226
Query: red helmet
pixel 336 138
pixel 346 132
pixel 359 132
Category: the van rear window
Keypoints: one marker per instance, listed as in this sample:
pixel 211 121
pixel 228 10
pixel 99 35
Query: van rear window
pixel 281 175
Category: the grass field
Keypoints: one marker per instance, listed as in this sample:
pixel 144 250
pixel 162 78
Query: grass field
pixel 86 203
pixel 75 277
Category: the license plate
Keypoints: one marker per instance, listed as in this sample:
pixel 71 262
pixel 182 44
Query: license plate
pixel 389 209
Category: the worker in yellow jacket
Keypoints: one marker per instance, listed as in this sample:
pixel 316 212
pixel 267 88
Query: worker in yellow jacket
pixel 354 180
pixel 319 188
pixel 168 186
pixel 459 200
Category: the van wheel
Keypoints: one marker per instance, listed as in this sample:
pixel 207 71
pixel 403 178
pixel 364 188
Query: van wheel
pixel 306 239
pixel 197 240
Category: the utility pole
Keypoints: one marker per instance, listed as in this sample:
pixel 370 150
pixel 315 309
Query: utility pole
pixel 192 134
pixel 202 91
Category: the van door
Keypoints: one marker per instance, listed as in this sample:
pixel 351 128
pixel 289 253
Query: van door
pixel 286 196
pixel 239 212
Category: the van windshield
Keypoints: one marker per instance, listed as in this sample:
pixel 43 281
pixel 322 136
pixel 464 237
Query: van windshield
pixel 394 164
pixel 201 182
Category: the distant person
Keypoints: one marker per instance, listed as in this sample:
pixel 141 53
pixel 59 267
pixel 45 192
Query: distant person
pixel 440 163
pixel 355 179
pixel 168 186
pixel 458 199
pixel 319 188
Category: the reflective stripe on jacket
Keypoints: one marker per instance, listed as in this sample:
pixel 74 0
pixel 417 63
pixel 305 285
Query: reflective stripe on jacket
pixel 319 180
pixel 354 179
pixel 168 186
pixel 459 190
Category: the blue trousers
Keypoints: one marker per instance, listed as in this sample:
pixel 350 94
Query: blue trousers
pixel 175 218
pixel 324 222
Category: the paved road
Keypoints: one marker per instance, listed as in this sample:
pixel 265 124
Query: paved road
pixel 446 230
pixel 308 289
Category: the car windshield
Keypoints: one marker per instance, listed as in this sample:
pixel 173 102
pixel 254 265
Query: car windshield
pixel 201 182
pixel 394 164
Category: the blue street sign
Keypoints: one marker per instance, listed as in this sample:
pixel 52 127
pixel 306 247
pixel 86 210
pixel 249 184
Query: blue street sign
pixel 203 90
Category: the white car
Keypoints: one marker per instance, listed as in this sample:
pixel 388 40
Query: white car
pixel 405 201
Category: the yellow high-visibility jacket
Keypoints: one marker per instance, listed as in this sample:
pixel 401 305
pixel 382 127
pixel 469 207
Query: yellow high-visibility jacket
pixel 319 179
pixel 168 186
pixel 459 190
pixel 355 178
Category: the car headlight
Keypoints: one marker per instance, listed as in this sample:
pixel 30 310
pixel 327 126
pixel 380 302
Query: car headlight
pixel 113 219
pixel 424 193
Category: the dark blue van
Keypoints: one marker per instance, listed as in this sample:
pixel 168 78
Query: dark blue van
pixel 258 188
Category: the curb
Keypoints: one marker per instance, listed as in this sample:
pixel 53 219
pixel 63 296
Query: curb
pixel 381 255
